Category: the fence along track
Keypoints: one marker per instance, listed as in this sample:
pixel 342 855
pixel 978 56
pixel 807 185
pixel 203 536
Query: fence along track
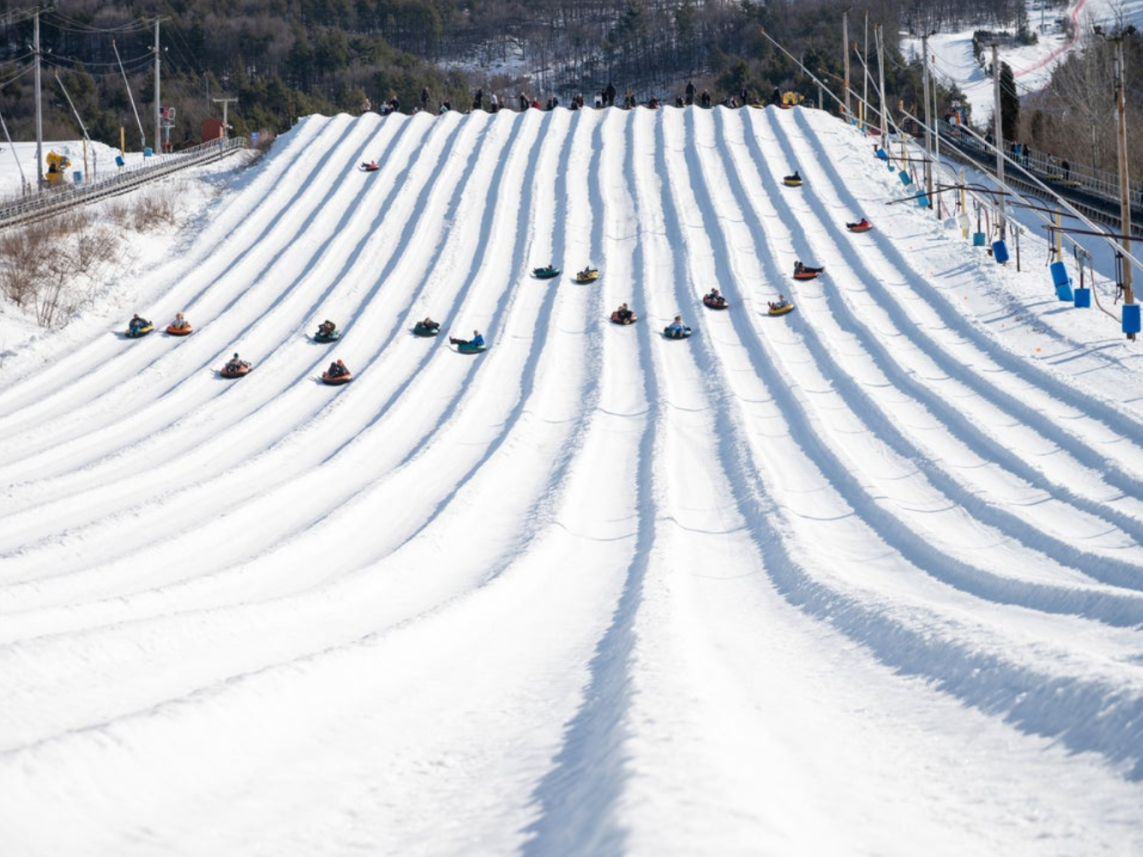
pixel 25 211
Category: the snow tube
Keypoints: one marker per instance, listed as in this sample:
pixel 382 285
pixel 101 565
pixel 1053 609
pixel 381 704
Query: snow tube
pixel 420 330
pixel 676 334
pixel 790 181
pixel 180 331
pixel 781 310
pixel 545 273
pixel 617 320
pixel 859 227
pixel 715 303
pixel 326 378
pixel 370 167
pixel 589 276
pixel 227 372
pixel 469 348
pixel 805 275
pixel 327 337
pixel 142 331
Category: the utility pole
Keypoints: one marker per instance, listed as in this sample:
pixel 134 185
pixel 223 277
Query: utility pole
pixel 1001 223
pixel 225 104
pixel 928 118
pixel 936 141
pixel 1124 184
pixel 881 83
pixel 845 47
pixel 39 106
pixel 865 77
pixel 158 62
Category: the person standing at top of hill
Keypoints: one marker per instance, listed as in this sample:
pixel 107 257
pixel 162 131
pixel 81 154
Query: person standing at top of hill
pixel 523 102
pixel 478 99
pixel 609 95
pixel 690 92
pixel 425 98
pixel 705 98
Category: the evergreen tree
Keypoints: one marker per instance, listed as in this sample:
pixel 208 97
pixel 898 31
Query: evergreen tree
pixel 1009 104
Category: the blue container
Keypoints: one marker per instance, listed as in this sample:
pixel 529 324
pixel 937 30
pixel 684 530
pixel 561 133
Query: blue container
pixel 881 154
pixel 1131 318
pixel 1064 292
pixel 77 176
pixel 1000 252
pixel 1083 297
pixel 119 162
pixel 978 239
pixel 904 175
pixel 1060 274
pixel 147 152
pixel 923 201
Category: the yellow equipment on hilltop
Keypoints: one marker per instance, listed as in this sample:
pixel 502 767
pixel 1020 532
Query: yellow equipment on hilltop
pixel 57 167
pixel 792 99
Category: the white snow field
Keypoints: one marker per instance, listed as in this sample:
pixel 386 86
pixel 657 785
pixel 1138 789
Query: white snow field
pixel 866 579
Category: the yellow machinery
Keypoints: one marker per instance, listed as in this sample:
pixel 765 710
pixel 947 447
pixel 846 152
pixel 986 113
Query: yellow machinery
pixel 791 99
pixel 57 167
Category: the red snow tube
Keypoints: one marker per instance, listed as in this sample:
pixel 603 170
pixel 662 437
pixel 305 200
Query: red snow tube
pixel 326 378
pixel 715 303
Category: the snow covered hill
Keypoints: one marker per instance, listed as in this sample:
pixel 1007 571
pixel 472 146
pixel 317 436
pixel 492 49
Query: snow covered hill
pixel 863 579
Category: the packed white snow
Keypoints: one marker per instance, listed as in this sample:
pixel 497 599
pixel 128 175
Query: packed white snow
pixel 862 579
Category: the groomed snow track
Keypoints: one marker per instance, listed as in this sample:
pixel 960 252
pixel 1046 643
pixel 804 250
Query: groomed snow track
pixel 856 580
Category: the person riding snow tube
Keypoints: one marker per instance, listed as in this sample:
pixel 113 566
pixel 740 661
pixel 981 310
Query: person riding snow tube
pixel 676 329
pixel 780 306
pixel 428 327
pixel 546 273
pixel 338 373
pixel 469 346
pixel 138 326
pixel 715 300
pixel 587 275
pixel 623 315
pixel 180 326
pixel 235 367
pixel 327 332
pixel 862 225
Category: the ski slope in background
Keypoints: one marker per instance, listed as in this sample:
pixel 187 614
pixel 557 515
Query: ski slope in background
pixel 864 579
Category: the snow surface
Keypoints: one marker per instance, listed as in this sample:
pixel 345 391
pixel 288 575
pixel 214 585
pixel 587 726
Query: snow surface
pixel 864 579
pixel 952 58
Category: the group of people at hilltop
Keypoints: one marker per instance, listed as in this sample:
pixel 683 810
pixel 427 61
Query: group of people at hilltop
pixel 605 97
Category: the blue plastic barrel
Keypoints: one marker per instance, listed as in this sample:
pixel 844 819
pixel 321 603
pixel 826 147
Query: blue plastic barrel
pixel 1064 292
pixel 1000 252
pixel 77 176
pixel 904 175
pixel 147 152
pixel 978 239
pixel 119 162
pixel 923 201
pixel 1131 320
pixel 1059 274
pixel 1083 297
pixel 881 154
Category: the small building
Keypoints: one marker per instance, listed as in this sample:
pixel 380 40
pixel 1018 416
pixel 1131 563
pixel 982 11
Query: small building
pixel 211 130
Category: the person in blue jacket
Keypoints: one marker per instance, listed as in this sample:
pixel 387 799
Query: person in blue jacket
pixel 677 325
pixel 477 340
